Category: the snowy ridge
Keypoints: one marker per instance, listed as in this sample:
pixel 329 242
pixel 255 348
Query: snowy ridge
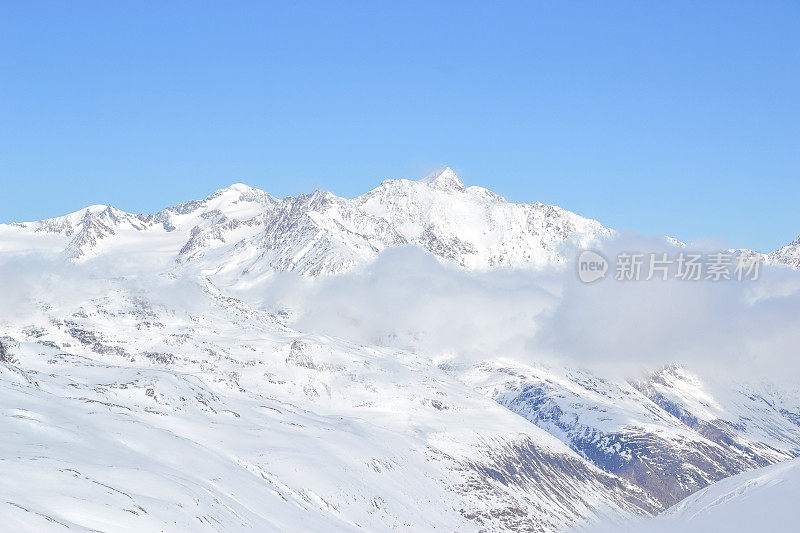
pixel 788 255
pixel 319 233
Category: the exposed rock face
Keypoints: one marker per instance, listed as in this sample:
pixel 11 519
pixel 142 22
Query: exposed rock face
pixel 654 433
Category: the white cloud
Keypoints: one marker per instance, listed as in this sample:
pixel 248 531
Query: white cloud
pixel 409 300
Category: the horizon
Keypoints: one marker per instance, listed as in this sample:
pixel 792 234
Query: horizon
pixel 420 179
pixel 632 116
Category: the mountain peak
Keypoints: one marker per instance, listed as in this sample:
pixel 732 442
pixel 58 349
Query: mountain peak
pixel 443 179
pixel 240 191
pixel 236 187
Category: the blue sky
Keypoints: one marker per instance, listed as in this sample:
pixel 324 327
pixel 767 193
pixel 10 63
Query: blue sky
pixel 665 117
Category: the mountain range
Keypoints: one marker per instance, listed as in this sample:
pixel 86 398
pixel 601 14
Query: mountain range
pixel 142 391
pixel 319 233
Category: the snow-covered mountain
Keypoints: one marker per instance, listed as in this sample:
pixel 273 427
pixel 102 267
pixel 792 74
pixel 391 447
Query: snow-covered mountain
pixel 123 412
pixel 788 255
pixel 143 391
pixel 246 233
pixel 671 434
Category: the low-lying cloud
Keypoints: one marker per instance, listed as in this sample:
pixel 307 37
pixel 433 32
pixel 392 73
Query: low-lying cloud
pixel 409 300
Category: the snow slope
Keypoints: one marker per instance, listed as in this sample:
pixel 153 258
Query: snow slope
pixel 123 412
pixel 761 500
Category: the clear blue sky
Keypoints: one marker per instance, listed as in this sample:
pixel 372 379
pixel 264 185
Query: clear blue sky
pixel 665 117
